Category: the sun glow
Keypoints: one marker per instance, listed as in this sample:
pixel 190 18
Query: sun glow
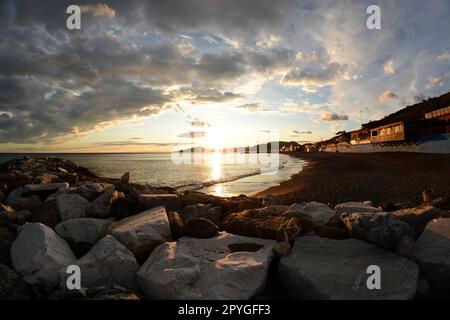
pixel 215 139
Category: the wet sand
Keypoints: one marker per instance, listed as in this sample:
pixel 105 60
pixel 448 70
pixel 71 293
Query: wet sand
pixel 380 177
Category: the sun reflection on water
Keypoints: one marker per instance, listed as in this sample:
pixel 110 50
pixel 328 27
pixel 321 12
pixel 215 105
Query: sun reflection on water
pixel 218 190
pixel 216 165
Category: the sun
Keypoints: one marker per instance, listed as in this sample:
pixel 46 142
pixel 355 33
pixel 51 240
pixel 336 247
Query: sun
pixel 215 139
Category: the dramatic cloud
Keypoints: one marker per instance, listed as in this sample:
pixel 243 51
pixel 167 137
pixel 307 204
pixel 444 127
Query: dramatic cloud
pixel 212 96
pixel 230 16
pixel 310 77
pixel 387 95
pixel 36 117
pixel 98 10
pixel 330 116
pixel 307 63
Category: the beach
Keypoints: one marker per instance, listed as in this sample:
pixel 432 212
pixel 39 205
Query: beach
pixel 380 177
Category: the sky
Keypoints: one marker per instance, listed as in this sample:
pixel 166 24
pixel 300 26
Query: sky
pixel 150 76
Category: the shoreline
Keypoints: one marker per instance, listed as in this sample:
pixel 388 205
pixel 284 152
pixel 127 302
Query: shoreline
pixel 380 177
pixel 248 183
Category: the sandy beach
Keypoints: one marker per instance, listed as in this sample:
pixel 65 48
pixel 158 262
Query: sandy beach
pixel 380 177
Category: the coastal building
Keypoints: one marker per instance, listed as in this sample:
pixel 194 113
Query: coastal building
pixel 389 132
pixel 360 136
pixel 441 114
pixel 293 147
pixel 422 127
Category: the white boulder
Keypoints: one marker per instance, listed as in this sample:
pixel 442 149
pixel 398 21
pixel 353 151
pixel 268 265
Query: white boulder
pixel 141 233
pixel 225 267
pixel 433 255
pixel 319 268
pixel 320 212
pixel 108 263
pixel 39 254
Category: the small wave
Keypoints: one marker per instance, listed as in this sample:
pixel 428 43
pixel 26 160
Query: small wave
pixel 197 186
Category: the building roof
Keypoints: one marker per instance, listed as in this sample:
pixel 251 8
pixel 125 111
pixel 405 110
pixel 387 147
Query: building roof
pixel 412 113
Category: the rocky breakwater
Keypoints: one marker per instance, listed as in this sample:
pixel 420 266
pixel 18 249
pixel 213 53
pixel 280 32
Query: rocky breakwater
pixel 135 242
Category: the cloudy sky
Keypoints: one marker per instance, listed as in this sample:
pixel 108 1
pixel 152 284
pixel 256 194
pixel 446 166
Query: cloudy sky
pixel 151 75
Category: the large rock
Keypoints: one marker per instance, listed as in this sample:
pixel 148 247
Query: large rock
pixel 417 218
pixel 319 268
pixel 194 197
pixel 43 190
pixel 433 255
pixel 101 207
pixel 206 211
pixel 382 229
pixel 201 228
pixel 82 233
pixel 108 263
pixel 39 254
pixel 170 201
pixel 52 198
pixel 12 287
pixel 7 215
pixel 143 232
pixel 331 232
pixel 225 267
pixel 91 190
pixel 352 206
pixel 70 206
pixel 320 212
pixel 265 223
pixel 236 204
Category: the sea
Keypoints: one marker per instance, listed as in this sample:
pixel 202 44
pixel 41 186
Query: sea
pixel 215 174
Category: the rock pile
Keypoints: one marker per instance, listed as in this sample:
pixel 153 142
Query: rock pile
pixel 132 243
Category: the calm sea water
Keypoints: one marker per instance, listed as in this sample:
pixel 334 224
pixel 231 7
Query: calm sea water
pixel 215 175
